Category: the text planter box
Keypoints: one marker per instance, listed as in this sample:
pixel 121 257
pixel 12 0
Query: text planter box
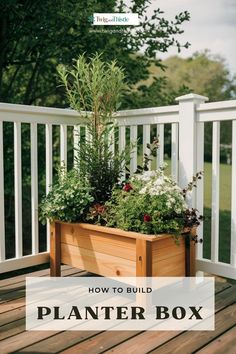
pixel 98 303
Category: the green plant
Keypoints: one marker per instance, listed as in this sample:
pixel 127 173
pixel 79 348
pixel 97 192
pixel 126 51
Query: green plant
pixel 100 165
pixel 151 203
pixel 69 199
pixel 94 88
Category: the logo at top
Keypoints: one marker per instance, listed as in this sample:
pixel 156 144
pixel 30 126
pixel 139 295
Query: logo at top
pixel 114 19
pixel 91 19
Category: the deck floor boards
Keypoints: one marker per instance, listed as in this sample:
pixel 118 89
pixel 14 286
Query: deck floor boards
pixel 14 338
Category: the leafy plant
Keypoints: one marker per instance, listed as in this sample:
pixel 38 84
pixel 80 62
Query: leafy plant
pixel 94 88
pixel 69 199
pixel 100 165
pixel 150 203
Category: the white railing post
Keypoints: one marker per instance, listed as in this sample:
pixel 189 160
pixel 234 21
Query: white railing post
pixel 189 142
pixel 191 152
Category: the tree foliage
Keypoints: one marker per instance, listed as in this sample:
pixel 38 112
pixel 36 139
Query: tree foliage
pixel 35 36
pixel 203 73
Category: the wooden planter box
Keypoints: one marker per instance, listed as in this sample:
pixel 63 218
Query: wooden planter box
pixel 113 252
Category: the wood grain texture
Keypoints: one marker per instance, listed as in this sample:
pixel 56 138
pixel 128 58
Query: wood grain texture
pixel 156 255
pixel 99 241
pixel 95 262
pixel 114 231
pixel 100 342
pixel 226 343
pixel 170 267
pixel 189 342
pixel 168 257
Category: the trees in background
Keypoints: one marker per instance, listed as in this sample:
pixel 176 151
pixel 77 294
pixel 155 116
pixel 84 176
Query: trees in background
pixel 35 36
pixel 202 73
pixel 208 75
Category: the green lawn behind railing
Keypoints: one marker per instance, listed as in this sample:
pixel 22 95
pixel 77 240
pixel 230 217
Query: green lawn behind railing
pixel 225 213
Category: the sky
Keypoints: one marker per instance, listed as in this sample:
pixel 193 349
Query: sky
pixel 212 26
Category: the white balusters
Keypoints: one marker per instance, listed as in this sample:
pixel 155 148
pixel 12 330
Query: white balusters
pixel 233 199
pixel 160 151
pixel 175 151
pixel 146 140
pixel 18 189
pixel 122 142
pixel 200 184
pixel 49 165
pixel 215 191
pixel 34 187
pixel 76 138
pixel 133 155
pixel 63 145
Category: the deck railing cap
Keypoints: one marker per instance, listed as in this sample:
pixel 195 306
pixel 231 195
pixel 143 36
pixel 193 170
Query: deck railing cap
pixel 192 97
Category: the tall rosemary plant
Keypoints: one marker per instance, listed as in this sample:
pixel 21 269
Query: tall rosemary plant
pixel 94 88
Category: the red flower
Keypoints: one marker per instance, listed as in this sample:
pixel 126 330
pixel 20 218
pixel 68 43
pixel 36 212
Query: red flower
pixel 127 187
pixel 147 218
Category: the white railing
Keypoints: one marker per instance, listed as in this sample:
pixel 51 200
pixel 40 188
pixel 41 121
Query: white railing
pixel 187 157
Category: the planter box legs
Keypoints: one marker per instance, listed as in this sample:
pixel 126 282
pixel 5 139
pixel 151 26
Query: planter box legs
pixel 55 250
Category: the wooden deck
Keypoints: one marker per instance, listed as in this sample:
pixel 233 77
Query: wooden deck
pixel 14 338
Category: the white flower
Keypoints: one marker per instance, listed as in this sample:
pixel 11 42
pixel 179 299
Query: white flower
pixel 143 190
pixel 155 183
pixel 145 176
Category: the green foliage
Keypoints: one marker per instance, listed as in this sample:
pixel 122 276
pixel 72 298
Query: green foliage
pixel 203 73
pixel 36 36
pixel 153 93
pixel 94 88
pixel 69 199
pixel 131 211
pixel 150 203
pixel 99 164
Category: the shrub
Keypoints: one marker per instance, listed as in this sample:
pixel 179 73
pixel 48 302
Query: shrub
pixel 69 199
